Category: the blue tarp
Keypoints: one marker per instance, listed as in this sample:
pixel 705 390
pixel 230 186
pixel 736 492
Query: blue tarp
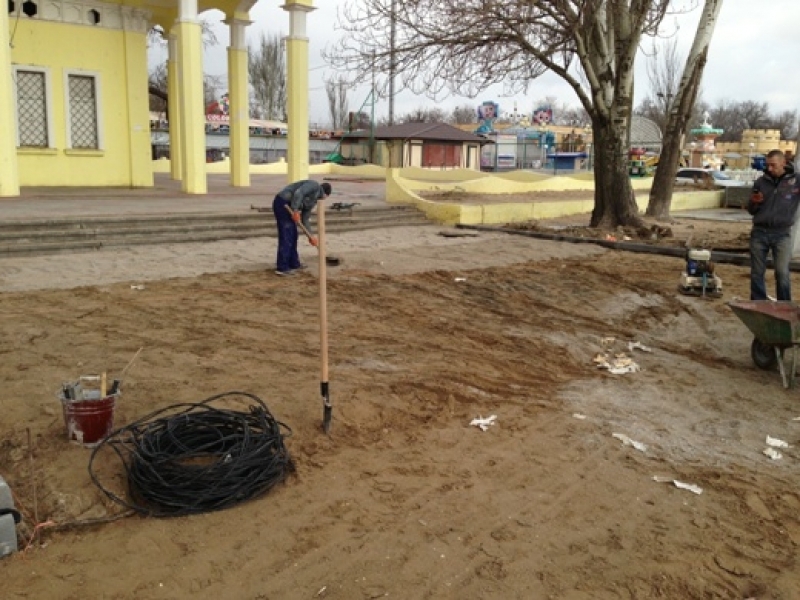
pixel 566 160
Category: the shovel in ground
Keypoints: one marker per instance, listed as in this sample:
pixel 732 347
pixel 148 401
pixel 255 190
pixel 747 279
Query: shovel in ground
pixel 327 407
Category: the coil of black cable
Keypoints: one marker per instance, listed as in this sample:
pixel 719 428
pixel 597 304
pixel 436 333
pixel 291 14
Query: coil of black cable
pixel 193 458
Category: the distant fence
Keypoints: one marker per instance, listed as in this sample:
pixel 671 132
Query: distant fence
pixel 263 149
pixel 746 175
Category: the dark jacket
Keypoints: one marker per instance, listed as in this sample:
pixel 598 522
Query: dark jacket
pixel 303 196
pixel 781 199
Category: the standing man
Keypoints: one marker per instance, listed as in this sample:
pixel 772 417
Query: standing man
pixel 773 204
pixel 300 197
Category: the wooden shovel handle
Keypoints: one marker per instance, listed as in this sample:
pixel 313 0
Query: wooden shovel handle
pixel 323 292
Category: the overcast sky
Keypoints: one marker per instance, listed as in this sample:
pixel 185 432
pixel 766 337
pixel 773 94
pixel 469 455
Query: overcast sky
pixel 752 57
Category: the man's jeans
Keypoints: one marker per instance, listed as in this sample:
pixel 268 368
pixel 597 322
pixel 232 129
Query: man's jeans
pixel 780 243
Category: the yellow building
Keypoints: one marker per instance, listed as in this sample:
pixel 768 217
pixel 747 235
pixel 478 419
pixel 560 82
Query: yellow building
pixel 755 142
pixel 74 100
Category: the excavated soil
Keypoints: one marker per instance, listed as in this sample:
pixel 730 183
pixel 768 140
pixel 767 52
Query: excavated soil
pixel 404 498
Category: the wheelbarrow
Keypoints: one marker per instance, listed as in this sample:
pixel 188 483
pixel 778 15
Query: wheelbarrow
pixel 776 329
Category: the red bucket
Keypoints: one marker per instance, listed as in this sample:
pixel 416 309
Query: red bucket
pixel 89 421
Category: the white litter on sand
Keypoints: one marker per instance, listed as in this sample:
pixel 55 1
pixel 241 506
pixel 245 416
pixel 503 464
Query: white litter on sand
pixel 483 423
pixel 776 443
pixel 772 453
pixel 638 346
pixel 629 442
pixel 695 489
pixel 616 365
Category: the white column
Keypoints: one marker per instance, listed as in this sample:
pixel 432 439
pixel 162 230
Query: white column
pixel 239 103
pixel 190 79
pixel 297 84
pixel 174 109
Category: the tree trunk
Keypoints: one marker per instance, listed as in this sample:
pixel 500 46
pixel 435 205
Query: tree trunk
pixel 614 201
pixel 664 181
pixel 660 200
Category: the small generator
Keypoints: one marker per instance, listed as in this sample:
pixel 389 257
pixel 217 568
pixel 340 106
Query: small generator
pixel 698 278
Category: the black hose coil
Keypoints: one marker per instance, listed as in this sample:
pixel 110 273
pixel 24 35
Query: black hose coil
pixel 194 458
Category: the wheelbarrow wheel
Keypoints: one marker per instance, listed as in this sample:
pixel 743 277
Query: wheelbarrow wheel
pixel 763 355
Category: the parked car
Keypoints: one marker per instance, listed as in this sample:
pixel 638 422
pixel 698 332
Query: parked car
pixel 706 178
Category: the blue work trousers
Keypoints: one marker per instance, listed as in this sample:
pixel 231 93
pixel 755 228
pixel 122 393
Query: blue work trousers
pixel 288 259
pixel 762 242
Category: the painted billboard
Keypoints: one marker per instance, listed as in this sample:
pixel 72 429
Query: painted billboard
pixel 487 113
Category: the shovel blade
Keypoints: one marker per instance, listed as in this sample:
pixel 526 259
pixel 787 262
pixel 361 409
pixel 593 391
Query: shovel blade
pixel 327 412
pixel 326 418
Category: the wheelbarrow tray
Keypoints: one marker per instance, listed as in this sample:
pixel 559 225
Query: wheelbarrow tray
pixel 772 323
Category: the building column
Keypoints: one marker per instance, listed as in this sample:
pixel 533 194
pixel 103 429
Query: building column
pixel 192 117
pixel 174 109
pixel 239 103
pixel 134 40
pixel 297 84
pixel 9 166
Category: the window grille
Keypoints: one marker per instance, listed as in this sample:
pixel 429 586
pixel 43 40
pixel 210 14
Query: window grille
pixel 32 109
pixel 83 111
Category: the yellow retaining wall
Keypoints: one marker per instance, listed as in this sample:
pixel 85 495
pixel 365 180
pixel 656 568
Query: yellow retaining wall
pixel 451 175
pixel 401 185
pixel 512 182
pixel 400 190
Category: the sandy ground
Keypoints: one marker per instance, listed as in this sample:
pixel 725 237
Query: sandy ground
pixel 405 499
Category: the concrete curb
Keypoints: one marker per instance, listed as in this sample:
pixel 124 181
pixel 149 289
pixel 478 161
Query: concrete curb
pixel 718 257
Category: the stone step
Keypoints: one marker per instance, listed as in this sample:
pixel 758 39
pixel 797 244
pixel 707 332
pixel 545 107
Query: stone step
pixel 81 235
pixel 138 221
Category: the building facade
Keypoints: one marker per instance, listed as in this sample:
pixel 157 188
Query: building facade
pixel 74 94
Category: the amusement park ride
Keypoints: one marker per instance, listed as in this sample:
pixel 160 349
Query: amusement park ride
pixel 642 163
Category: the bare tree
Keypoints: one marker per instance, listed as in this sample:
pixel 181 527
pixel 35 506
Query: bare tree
pixel 337 101
pixel 157 85
pixel 362 121
pixel 664 69
pixel 734 117
pixel 464 115
pixel 212 89
pixel 267 70
pixel 464 46
pixel 726 115
pixel 786 123
pixel 423 114
pixel 754 115
pixel 159 90
pixel 680 112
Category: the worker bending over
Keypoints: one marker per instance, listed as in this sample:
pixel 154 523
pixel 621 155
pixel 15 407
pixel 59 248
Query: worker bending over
pixel 301 198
